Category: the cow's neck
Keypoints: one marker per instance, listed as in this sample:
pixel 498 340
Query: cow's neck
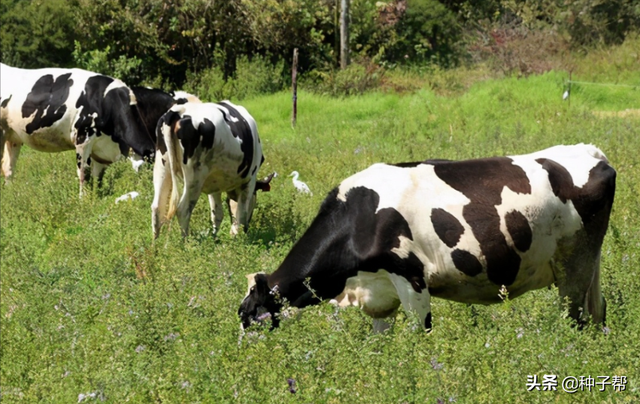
pixel 324 256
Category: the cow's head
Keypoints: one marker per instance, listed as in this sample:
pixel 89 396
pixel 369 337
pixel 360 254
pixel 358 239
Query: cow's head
pixel 260 302
pixel 261 185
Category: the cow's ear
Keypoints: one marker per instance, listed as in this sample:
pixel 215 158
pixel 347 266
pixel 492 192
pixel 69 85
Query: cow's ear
pixel 256 279
pixel 264 185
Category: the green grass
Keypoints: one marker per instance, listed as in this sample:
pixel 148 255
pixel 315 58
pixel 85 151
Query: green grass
pixel 89 304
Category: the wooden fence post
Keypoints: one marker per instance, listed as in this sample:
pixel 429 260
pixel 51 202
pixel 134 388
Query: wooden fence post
pixel 294 87
pixel 344 35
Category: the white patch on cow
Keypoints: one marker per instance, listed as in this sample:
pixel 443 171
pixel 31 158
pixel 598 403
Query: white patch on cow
pixel 404 249
pixel 185 95
pixel 117 84
pixel 251 282
pixel 373 292
pixel 412 302
pixel 572 158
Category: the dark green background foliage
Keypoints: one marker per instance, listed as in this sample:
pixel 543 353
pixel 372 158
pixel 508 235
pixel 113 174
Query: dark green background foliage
pixel 165 43
pixel 90 304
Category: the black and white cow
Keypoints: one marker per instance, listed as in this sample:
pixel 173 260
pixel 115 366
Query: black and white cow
pixel 210 148
pixel 54 110
pixel 459 230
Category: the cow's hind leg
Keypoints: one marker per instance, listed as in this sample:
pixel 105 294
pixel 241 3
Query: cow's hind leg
pixel 413 302
pixel 11 151
pixel 190 195
pixel 217 210
pixel 161 193
pixel 83 160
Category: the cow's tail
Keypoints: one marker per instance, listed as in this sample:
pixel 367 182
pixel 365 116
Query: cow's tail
pixel 173 151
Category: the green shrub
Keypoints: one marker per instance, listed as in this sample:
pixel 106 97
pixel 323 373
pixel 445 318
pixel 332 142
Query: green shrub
pixel 104 62
pixel 252 77
pixel 359 77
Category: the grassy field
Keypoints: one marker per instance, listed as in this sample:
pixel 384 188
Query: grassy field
pixel 92 310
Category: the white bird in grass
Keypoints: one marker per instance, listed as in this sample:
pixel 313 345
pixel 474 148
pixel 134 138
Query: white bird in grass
pixel 128 196
pixel 300 186
pixel 136 162
pixel 565 95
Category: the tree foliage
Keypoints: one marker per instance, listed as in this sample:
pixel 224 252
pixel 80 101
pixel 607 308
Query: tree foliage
pixel 163 42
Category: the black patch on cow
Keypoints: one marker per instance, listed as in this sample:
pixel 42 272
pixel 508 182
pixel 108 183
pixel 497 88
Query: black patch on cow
pixel 427 321
pixel 188 136
pixel 344 238
pixel 5 102
pixel 466 262
pixel 152 104
pixel 447 227
pixel 593 200
pixel 559 178
pixel 412 164
pixel 207 132
pixel 91 102
pixel 519 229
pixel 241 129
pixel 47 100
pixel 482 181
pixel 168 119
pixel 191 138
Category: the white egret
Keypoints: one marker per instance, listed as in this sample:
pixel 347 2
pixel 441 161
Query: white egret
pixel 131 195
pixel 300 186
pixel 136 162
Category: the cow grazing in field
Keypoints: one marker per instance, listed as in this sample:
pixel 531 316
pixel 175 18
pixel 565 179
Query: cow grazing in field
pixel 459 230
pixel 210 148
pixel 55 110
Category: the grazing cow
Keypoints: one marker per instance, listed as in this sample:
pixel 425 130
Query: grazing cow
pixel 459 230
pixel 211 148
pixel 55 110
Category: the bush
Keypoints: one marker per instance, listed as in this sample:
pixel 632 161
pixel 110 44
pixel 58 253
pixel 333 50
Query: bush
pixel 252 77
pixel 103 62
pixel 357 78
pixel 511 48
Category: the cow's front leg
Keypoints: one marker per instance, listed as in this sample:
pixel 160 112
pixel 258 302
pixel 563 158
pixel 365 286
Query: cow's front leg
pixel 418 303
pixel 242 211
pixel 217 210
pixel 11 151
pixel 83 161
pixel 97 172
